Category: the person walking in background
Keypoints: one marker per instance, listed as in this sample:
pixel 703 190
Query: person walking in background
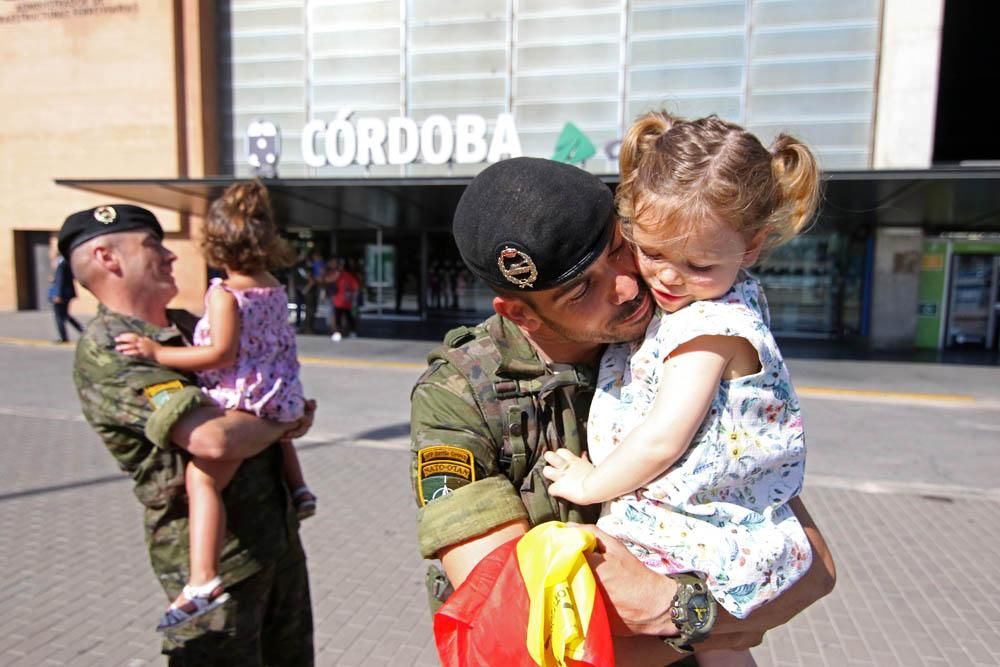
pixel 343 287
pixel 61 292
pixel 245 358
pixel 315 267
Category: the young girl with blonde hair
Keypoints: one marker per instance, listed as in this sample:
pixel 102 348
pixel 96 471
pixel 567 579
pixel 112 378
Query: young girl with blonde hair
pixel 695 432
pixel 245 359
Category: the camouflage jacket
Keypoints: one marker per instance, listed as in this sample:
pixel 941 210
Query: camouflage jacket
pixel 133 404
pixel 482 414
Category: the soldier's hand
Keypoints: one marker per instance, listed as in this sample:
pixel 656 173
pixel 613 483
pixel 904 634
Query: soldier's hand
pixel 305 422
pixel 638 598
pixel 134 345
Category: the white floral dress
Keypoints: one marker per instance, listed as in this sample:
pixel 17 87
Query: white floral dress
pixel 722 509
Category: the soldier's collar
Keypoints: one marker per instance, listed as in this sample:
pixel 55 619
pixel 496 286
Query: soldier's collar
pixel 160 334
pixel 518 357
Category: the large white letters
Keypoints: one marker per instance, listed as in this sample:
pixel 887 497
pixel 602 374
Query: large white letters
pixel 313 129
pixel 470 138
pixel 404 140
pixel 371 141
pixel 505 139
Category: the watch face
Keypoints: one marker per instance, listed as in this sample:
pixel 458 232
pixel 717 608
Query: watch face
pixel 700 615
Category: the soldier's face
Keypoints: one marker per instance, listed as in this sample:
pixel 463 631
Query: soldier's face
pixel 147 267
pixel 608 303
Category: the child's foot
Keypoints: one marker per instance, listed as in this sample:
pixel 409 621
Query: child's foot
pixel 304 501
pixel 194 601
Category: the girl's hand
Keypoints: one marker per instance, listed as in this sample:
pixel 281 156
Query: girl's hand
pixel 134 345
pixel 568 473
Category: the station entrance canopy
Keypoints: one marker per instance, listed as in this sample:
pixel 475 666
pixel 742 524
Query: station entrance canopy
pixel 946 199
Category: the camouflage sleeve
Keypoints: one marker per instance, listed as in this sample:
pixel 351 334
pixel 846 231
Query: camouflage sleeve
pixel 459 488
pixel 131 398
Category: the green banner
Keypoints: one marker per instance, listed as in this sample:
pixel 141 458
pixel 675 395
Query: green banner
pixel 931 296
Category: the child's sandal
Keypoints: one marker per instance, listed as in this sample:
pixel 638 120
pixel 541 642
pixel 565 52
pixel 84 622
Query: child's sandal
pixel 195 601
pixel 304 501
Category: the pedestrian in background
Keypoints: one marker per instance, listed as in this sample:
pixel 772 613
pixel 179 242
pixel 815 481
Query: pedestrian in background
pixel 315 266
pixel 61 293
pixel 343 287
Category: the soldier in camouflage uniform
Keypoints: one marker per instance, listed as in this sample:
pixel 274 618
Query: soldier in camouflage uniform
pixel 495 397
pixel 150 417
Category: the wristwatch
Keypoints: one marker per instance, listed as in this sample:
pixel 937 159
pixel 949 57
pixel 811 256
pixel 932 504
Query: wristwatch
pixel 693 611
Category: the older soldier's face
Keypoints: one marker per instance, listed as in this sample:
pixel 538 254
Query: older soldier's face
pixel 608 303
pixel 147 267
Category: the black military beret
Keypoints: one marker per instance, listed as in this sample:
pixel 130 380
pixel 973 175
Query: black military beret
pixel 85 225
pixel 532 224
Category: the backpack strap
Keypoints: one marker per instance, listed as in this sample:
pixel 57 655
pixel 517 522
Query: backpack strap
pixel 507 405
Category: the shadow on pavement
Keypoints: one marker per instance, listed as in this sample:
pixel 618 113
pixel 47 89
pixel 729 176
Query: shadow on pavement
pixel 55 488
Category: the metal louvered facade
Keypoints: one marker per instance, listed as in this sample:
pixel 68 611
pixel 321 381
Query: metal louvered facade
pixel 805 67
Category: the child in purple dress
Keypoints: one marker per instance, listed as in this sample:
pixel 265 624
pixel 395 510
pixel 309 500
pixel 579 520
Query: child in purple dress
pixel 245 359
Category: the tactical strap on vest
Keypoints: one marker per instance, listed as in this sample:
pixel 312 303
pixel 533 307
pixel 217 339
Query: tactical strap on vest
pixel 516 398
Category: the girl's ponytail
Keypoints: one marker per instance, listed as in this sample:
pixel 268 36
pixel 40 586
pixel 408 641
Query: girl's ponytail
pixel 796 173
pixel 638 142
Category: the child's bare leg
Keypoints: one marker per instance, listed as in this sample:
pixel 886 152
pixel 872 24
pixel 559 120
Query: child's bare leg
pixel 293 469
pixel 303 499
pixel 723 658
pixel 205 481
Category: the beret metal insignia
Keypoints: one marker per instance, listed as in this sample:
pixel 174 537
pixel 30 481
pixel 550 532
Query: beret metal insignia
pixel 514 264
pixel 105 215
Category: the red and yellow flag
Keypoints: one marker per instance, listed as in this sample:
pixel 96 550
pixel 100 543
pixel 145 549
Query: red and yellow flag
pixel 533 601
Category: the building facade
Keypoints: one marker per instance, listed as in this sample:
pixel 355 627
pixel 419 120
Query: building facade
pixel 368 117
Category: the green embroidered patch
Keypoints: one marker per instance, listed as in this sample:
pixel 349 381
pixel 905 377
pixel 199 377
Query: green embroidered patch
pixel 159 394
pixel 442 469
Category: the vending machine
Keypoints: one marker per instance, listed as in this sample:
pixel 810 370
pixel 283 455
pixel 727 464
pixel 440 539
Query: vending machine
pixel 972 302
pixel 959 293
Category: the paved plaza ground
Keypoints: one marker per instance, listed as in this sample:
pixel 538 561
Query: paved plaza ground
pixel 902 481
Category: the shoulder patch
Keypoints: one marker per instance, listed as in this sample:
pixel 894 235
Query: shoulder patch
pixel 159 394
pixel 442 469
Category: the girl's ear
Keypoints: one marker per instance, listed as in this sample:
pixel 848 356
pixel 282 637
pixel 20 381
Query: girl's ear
pixel 517 311
pixel 754 248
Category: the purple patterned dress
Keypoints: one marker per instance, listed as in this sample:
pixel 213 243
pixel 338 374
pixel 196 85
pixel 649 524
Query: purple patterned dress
pixel 264 380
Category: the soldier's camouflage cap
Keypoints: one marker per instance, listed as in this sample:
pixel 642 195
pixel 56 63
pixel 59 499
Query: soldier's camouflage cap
pixel 532 224
pixel 85 225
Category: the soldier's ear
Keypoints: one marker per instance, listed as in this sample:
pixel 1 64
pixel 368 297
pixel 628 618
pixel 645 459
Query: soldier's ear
pixel 107 258
pixel 517 311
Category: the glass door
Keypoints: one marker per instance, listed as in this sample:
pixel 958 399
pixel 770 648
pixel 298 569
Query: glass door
pixel 993 333
pixel 972 301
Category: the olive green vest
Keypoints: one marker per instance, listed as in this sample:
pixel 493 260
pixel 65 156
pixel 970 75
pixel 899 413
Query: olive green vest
pixel 528 407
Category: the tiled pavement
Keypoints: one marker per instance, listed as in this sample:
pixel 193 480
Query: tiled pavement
pixel 917 573
pixel 78 589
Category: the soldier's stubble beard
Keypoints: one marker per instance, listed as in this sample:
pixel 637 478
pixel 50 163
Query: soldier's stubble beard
pixel 615 330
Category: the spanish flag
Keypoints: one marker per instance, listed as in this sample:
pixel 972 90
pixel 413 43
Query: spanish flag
pixel 533 602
